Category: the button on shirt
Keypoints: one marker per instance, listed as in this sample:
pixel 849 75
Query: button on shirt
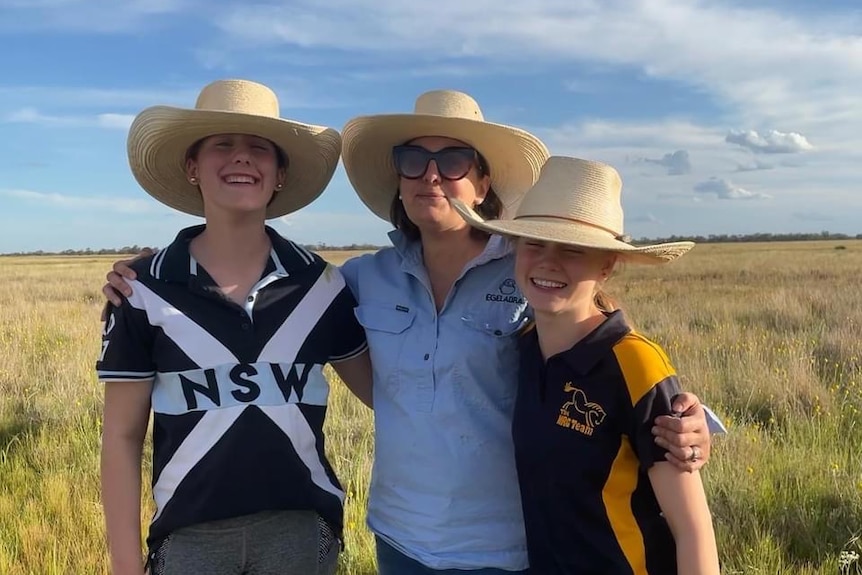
pixel 444 486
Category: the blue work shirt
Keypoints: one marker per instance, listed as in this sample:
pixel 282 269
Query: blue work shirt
pixel 444 487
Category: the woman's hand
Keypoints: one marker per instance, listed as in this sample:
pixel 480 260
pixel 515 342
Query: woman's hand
pixel 685 437
pixel 117 287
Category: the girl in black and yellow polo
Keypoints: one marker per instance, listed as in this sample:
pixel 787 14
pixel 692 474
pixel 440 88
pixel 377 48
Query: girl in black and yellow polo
pixel 598 494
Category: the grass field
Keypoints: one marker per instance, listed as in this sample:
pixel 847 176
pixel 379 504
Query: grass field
pixel 770 335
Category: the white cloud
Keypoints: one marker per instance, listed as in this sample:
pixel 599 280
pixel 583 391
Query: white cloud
pixel 647 218
pixel 812 217
pixel 83 106
pixel 582 86
pixel 756 166
pixel 656 134
pixel 108 204
pixel 96 16
pixel 779 67
pixel 117 121
pixel 34 116
pixel 771 142
pixel 95 97
pixel 727 190
pixel 677 163
pixel 337 228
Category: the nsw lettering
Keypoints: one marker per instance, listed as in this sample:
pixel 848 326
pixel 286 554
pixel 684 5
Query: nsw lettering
pixel 244 383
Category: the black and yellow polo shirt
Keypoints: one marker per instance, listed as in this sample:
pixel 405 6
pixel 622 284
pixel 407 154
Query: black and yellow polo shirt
pixel 583 446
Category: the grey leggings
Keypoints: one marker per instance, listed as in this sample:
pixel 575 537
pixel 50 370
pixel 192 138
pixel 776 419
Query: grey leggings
pixel 269 543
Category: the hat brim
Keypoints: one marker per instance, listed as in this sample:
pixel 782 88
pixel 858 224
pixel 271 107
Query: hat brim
pixel 160 136
pixel 574 234
pixel 514 156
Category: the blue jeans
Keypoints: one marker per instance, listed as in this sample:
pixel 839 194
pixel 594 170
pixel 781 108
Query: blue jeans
pixel 390 561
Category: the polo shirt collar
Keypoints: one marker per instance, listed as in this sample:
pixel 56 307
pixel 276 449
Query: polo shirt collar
pixel 584 355
pixel 176 264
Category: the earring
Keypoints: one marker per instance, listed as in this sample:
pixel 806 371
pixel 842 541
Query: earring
pixel 193 181
pixel 279 185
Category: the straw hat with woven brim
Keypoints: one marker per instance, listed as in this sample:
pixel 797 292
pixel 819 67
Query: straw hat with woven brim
pixel 575 202
pixel 160 136
pixel 514 156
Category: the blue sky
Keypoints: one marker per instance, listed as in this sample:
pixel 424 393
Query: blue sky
pixel 722 116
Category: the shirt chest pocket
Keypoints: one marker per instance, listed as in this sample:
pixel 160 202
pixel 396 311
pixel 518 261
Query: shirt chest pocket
pixel 487 367
pixel 494 325
pixel 386 329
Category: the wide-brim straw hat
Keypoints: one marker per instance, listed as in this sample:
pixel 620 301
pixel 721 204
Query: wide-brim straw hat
pixel 575 202
pixel 161 135
pixel 514 156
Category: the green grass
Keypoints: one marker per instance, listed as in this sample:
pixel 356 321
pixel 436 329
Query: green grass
pixel 770 335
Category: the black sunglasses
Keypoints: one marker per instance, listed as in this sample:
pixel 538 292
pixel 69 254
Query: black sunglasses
pixel 453 163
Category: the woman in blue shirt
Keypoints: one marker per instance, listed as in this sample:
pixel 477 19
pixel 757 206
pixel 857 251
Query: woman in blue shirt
pixel 441 312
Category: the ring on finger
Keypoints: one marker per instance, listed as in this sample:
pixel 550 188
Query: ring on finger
pixel 695 454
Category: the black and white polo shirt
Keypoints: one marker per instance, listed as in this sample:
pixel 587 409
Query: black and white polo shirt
pixel 239 396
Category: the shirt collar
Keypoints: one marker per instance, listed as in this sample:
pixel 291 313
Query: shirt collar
pixel 411 250
pixel 176 264
pixel 584 355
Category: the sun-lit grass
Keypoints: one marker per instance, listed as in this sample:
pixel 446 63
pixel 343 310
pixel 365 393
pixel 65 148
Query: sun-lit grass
pixel 770 335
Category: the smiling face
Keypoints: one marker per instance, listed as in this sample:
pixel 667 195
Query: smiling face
pixel 558 279
pixel 235 172
pixel 425 198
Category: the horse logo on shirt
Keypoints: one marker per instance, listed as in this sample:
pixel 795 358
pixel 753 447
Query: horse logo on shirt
pixel 591 414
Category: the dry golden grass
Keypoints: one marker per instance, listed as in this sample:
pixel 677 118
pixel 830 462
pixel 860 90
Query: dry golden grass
pixel 770 335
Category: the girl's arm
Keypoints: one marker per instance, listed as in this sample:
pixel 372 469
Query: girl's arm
pixel 124 428
pixel 682 500
pixel 356 375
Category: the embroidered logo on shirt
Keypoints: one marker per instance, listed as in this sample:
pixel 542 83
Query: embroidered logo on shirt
pixel 507 290
pixel 579 413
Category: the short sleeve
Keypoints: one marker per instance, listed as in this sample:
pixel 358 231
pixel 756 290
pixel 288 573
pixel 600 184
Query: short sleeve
pixel 348 336
pixel 651 383
pixel 127 345
pixel 657 401
pixel 350 271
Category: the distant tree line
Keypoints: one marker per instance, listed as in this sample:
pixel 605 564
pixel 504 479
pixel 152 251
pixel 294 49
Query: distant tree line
pixel 133 250
pixel 759 237
pixel 84 252
pixel 709 239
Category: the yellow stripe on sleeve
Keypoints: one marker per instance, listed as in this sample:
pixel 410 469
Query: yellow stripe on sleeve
pixel 643 363
pixel 617 496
